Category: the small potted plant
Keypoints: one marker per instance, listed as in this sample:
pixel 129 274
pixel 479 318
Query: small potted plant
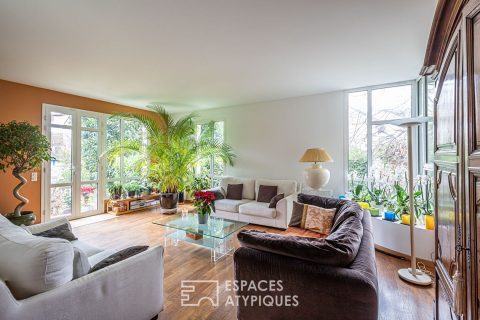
pixel 115 191
pixel 204 202
pixel 132 188
pixel 424 201
pixel 23 148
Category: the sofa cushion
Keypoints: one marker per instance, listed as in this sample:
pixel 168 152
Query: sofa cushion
pixel 338 249
pixel 229 204
pixel 248 186
pixel 62 231
pixel 81 266
pixel 287 187
pixel 118 256
pixel 37 228
pixel 324 202
pixel 30 264
pixel 96 258
pixel 89 250
pixel 319 219
pixel 274 201
pixel 258 209
pixel 266 193
pixel 297 214
pixel 234 191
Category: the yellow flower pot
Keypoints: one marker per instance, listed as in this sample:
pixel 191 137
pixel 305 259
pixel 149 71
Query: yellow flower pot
pixel 429 222
pixel 364 205
pixel 405 218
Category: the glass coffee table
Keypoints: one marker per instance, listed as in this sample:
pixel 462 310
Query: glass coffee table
pixel 217 234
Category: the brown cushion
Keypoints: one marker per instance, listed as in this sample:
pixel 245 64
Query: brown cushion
pixel 266 193
pixel 235 191
pixel 297 214
pixel 274 201
pixel 319 219
pixel 299 232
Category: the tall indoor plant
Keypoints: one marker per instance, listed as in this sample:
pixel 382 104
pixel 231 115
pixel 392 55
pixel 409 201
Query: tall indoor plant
pixel 172 151
pixel 23 148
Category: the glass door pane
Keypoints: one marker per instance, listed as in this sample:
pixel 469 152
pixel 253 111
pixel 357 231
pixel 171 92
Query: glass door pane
pixel 89 141
pixel 61 168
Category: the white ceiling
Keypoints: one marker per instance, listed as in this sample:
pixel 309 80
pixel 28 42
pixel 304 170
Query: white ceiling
pixel 193 54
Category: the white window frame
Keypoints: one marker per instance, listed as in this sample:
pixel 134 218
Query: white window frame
pixel 102 169
pixel 418 153
pixel 212 175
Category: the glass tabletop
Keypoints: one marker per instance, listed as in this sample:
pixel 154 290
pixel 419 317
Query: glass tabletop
pixel 215 227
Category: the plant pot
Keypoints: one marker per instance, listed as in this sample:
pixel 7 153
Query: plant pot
pixel 429 222
pixel 168 200
pixel 181 196
pixel 27 218
pixel 380 207
pixel 115 196
pixel 202 218
pixel 406 219
pixel 131 194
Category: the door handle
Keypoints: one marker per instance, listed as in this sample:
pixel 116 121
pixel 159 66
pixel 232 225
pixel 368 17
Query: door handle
pixel 439 177
pixel 453 190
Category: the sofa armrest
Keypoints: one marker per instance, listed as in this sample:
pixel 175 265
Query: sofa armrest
pixel 311 288
pixel 41 227
pixel 130 289
pixel 284 210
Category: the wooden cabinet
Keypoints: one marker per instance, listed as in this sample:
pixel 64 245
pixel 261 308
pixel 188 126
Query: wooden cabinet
pixel 453 60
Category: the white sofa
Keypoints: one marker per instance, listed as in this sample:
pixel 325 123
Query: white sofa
pixel 38 280
pixel 251 211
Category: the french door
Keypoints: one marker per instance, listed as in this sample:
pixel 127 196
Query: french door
pixel 73 184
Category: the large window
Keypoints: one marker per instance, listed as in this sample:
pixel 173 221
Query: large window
pixel 377 149
pixel 126 167
pixel 212 167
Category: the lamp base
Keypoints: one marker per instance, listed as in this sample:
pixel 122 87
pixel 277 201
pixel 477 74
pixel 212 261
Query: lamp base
pixel 421 278
pixel 316 177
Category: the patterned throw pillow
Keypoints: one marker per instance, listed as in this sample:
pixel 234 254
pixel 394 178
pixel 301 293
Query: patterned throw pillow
pixel 318 219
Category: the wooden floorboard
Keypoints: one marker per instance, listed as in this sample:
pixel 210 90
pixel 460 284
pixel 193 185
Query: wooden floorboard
pixel 398 300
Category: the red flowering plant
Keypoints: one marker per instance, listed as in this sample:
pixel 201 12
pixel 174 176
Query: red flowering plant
pixel 87 189
pixel 204 201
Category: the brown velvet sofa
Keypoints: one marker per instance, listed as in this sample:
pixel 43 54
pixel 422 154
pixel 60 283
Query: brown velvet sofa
pixel 328 278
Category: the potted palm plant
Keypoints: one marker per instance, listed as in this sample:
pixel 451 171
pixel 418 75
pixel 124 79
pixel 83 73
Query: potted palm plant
pixel 23 148
pixel 172 151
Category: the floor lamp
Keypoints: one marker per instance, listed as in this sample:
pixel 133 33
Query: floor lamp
pixel 412 274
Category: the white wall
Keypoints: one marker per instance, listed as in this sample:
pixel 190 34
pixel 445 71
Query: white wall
pixel 270 137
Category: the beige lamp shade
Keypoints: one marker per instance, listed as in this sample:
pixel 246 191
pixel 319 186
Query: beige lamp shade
pixel 316 155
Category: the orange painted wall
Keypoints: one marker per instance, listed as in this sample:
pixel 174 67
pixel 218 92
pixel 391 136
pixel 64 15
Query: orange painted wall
pixel 24 103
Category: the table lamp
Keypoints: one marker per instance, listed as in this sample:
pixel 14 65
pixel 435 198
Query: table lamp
pixel 315 176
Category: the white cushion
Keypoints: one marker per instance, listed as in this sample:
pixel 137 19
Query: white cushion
pixel 287 187
pixel 259 209
pixel 96 258
pixel 248 186
pixel 81 266
pixel 229 204
pixel 86 248
pixel 37 228
pixel 29 264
